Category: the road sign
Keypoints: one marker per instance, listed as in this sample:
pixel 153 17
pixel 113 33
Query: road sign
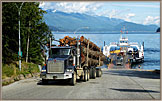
pixel 18 54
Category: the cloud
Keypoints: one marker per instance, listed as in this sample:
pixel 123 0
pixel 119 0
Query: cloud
pixel 152 20
pixel 68 7
pixel 54 11
pixel 130 5
pixel 47 5
pixel 114 13
pixel 129 16
pixel 41 4
pixel 126 17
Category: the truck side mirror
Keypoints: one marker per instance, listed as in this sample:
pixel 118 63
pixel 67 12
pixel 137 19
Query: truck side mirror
pixel 71 59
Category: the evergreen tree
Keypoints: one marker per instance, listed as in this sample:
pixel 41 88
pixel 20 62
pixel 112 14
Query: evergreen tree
pixel 34 32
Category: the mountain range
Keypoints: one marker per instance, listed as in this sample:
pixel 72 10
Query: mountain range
pixel 61 21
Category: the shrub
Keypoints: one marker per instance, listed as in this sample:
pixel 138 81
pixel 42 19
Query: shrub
pixel 27 68
pixel 7 70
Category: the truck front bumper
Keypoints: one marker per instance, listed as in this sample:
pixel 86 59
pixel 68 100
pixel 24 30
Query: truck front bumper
pixel 66 75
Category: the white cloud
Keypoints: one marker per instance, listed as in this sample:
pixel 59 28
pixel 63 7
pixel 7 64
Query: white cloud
pixel 46 5
pixel 41 4
pixel 73 7
pixel 126 17
pixel 152 20
pixel 114 13
pixel 77 7
pixel 132 5
pixel 129 16
pixel 54 11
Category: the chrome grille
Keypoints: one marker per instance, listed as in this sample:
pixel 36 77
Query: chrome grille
pixel 55 67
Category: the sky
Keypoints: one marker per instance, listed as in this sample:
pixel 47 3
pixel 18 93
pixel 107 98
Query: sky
pixel 146 12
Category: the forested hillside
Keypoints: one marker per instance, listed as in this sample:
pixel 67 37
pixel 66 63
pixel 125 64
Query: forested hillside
pixel 34 32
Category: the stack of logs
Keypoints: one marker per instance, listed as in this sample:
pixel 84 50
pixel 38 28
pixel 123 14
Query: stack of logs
pixel 95 56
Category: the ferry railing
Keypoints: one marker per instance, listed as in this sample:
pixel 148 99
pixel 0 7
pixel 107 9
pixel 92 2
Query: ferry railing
pixel 113 43
pixel 133 43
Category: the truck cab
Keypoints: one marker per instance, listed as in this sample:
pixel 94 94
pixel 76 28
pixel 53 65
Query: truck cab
pixel 119 60
pixel 60 64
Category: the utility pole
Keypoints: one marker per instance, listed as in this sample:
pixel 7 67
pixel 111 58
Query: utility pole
pixel 19 10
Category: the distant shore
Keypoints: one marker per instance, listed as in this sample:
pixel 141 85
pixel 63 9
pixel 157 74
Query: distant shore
pixel 109 32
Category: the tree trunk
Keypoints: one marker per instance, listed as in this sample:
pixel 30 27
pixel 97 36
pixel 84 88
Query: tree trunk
pixel 27 49
pixel 27 45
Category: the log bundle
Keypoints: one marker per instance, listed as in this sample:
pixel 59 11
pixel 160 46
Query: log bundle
pixel 93 51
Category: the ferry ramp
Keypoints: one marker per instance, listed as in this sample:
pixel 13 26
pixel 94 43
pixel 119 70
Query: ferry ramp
pixel 115 84
pixel 125 64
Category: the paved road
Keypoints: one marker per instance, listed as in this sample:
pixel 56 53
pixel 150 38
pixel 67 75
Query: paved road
pixel 114 84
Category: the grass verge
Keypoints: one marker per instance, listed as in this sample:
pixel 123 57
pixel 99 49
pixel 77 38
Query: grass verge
pixel 12 71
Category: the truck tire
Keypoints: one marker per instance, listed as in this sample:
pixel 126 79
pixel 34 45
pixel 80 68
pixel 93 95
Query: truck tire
pixel 100 73
pixel 85 75
pixel 88 75
pixel 97 72
pixel 44 81
pixel 73 79
pixel 94 73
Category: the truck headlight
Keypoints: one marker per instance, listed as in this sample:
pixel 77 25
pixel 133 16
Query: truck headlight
pixel 43 70
pixel 69 69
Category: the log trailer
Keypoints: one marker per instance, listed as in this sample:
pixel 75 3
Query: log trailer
pixel 71 61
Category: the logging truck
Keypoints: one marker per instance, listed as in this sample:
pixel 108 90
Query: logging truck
pixel 71 60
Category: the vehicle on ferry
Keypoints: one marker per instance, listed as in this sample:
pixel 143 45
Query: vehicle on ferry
pixel 134 49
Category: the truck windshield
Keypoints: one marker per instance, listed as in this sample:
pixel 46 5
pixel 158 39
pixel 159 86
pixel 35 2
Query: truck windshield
pixel 55 52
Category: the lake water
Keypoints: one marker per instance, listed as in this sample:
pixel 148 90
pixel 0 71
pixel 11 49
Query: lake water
pixel 151 45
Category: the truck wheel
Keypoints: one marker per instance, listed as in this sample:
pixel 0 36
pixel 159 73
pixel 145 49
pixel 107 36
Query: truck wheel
pixel 90 72
pixel 73 79
pixel 88 75
pixel 100 73
pixel 44 81
pixel 97 72
pixel 85 75
pixel 94 73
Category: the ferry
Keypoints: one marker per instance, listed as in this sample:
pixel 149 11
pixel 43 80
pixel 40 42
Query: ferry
pixel 133 50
